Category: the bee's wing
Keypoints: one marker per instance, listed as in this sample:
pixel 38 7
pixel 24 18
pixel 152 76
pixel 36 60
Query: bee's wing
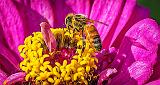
pixel 93 21
pixel 48 36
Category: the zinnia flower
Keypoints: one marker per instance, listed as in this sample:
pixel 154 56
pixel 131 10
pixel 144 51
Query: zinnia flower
pixel 130 43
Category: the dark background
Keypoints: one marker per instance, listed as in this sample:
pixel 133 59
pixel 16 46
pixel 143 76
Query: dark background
pixel 154 6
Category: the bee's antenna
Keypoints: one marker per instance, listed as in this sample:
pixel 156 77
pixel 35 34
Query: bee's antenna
pixel 92 21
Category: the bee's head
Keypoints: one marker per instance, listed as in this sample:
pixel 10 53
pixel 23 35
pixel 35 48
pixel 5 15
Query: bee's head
pixel 68 20
pixel 75 21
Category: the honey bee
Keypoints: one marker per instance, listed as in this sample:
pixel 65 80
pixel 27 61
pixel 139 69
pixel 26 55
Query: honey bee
pixel 80 24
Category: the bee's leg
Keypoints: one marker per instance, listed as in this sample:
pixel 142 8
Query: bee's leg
pixel 58 43
pixel 84 44
pixel 69 30
pixel 65 41
pixel 83 41
pixel 68 40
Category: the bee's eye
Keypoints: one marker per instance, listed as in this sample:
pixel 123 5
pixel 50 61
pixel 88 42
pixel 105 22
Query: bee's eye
pixel 68 20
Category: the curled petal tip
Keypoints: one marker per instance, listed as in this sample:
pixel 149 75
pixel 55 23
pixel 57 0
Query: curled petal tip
pixel 14 78
pixel 44 25
pixel 48 36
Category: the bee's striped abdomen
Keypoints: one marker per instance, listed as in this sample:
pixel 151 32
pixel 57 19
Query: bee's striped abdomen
pixel 93 36
pixel 97 42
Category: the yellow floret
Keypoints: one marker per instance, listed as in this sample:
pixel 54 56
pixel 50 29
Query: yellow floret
pixel 64 62
pixel 45 83
pixel 27 77
pixel 58 64
pixel 20 48
pixel 50 80
pixel 87 69
pixel 57 82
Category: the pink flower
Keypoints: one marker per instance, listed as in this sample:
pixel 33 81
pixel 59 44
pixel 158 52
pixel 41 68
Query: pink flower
pixel 130 39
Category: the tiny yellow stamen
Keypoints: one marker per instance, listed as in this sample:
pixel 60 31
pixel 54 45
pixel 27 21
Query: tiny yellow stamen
pixel 50 80
pixel 57 82
pixel 64 62
pixel 21 47
pixel 87 69
pixel 27 77
pixel 75 76
pixel 58 64
pixel 45 83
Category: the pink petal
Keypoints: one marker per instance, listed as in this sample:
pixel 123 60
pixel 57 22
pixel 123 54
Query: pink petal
pixel 48 36
pixel 156 82
pixel 131 58
pixel 44 8
pixel 127 10
pixel 12 25
pixel 107 11
pixel 140 71
pixel 14 78
pixel 2 38
pixel 3 76
pixel 130 15
pixel 79 6
pixel 156 69
pixel 60 10
pixel 33 13
pixel 147 33
pixel 156 72
pixel 8 60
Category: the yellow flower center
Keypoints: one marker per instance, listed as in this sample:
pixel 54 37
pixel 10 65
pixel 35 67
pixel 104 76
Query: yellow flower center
pixel 44 67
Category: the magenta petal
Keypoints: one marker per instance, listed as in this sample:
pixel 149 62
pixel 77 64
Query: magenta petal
pixel 12 25
pixel 79 6
pixel 156 71
pixel 156 82
pixel 130 15
pixel 147 34
pixel 127 11
pixel 14 78
pixel 44 8
pixel 33 13
pixel 140 71
pixel 60 10
pixel 3 76
pixel 8 60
